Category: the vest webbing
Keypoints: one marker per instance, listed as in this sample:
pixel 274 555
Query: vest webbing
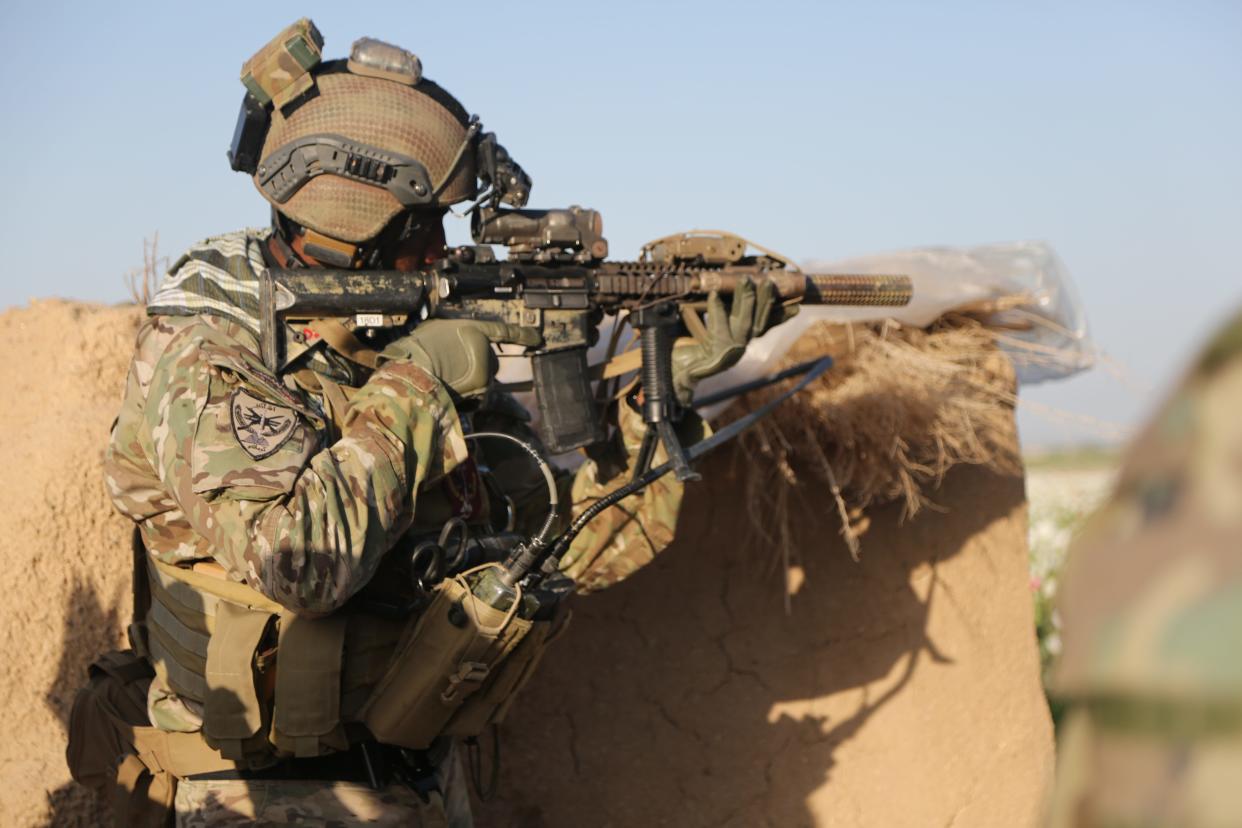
pixel 203 632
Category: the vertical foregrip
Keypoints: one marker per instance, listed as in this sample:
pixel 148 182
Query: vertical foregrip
pixel 657 373
pixel 660 407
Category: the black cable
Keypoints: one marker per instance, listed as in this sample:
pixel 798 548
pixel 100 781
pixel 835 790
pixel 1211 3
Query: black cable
pixel 475 763
pixel 763 382
pixel 540 538
pixel 810 372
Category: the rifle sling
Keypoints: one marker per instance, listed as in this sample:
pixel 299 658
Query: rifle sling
pixel 342 340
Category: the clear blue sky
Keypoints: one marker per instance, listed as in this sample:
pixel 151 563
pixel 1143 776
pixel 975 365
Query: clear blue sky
pixel 824 130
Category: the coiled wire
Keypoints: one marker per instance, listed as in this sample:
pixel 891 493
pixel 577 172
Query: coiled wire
pixel 540 539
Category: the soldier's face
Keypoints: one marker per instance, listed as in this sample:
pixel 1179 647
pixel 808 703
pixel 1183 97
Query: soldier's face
pixel 422 248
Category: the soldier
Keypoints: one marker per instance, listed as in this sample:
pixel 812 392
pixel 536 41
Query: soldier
pixel 1151 671
pixel 275 511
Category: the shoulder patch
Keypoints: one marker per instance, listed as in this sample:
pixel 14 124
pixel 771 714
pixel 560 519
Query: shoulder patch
pixel 259 426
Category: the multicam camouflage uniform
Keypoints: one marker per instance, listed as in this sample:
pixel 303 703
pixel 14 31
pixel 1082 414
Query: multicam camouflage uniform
pixel 1152 608
pixel 215 458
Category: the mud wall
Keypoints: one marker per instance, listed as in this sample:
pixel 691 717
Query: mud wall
pixel 901 690
pixel 63 551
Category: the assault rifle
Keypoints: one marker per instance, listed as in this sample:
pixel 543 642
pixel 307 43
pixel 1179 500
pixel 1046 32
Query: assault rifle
pixel 557 280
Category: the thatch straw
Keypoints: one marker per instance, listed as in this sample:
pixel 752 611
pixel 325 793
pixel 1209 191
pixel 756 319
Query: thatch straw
pixel 144 280
pixel 900 407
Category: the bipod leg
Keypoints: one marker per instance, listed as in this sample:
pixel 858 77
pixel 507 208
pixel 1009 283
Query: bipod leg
pixel 645 453
pixel 676 452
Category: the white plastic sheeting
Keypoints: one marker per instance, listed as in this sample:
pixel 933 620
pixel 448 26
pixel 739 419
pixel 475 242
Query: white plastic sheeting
pixel 1046 333
pixel 1048 319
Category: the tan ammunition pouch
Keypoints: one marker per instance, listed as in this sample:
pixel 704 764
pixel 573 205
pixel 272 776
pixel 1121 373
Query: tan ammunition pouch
pixel 491 703
pixel 289 687
pixel 457 668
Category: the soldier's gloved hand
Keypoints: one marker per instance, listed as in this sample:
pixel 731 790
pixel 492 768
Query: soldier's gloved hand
pixel 727 335
pixel 458 352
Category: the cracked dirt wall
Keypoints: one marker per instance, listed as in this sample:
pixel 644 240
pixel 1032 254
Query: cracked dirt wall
pixel 62 547
pixel 902 690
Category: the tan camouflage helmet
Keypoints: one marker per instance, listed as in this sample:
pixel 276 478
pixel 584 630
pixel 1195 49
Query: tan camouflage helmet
pixel 353 143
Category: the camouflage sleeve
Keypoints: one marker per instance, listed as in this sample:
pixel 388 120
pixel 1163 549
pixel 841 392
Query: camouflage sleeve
pixel 627 536
pixel 242 457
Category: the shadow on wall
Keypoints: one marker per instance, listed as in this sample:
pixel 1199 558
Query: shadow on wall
pixel 687 696
pixel 90 629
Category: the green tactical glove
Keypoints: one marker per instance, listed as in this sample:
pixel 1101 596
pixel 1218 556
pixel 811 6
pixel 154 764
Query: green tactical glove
pixel 727 335
pixel 458 352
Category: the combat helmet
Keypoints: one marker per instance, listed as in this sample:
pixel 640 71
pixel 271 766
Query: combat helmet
pixel 342 147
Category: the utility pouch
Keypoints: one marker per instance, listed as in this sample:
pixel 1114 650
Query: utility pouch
pixel 442 660
pixel 491 703
pixel 281 70
pixel 234 714
pixel 307 719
